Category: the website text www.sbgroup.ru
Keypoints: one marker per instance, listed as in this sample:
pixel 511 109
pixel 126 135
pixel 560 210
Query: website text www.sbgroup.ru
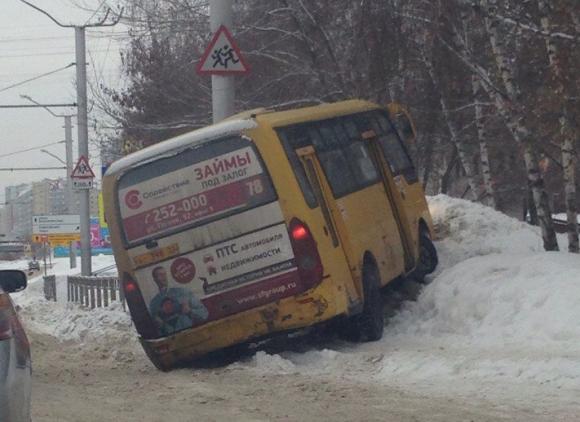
pixel 266 293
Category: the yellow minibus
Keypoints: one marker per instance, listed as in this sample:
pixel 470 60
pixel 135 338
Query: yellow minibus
pixel 271 221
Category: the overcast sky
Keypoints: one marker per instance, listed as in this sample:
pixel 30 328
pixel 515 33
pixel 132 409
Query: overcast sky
pixel 30 45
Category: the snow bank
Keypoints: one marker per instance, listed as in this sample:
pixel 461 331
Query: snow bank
pixel 68 321
pixel 496 317
pixel 499 312
pixel 466 229
pixel 21 264
pixel 502 300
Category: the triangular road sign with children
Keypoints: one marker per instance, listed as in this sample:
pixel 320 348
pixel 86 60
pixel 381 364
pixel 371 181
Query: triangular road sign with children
pixel 83 170
pixel 222 57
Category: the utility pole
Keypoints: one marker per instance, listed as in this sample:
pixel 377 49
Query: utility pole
pixel 69 163
pixel 83 139
pixel 82 123
pixel 222 87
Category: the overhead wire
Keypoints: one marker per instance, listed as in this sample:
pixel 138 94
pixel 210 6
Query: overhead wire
pixel 56 53
pixel 10 154
pixel 36 77
pixel 10 40
pixel 90 34
pixel 96 11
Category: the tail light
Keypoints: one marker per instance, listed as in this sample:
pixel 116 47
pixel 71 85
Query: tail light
pixel 144 323
pixel 6 317
pixel 306 254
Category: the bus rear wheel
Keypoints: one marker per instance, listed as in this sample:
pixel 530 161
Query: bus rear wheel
pixel 370 323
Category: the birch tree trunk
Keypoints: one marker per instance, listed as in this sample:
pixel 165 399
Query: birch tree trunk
pixel 534 176
pixel 446 175
pixel 514 120
pixel 459 144
pixel 489 198
pixel 567 147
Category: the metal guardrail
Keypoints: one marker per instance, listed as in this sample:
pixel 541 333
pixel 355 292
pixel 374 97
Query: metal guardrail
pixel 94 292
pixel 104 270
pixel 49 282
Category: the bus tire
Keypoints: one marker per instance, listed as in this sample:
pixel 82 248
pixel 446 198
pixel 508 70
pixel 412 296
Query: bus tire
pixel 371 321
pixel 428 258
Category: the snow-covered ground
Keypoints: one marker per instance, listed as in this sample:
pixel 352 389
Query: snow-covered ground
pixel 498 322
pixel 20 264
pixel 68 321
pixel 500 318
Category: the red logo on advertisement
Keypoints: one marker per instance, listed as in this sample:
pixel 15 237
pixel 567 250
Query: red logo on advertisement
pixel 133 200
pixel 183 270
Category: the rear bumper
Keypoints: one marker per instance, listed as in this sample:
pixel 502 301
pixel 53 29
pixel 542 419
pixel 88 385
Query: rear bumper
pixel 319 304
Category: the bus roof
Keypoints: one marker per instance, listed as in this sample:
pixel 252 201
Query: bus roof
pixel 179 142
pixel 238 123
pixel 284 117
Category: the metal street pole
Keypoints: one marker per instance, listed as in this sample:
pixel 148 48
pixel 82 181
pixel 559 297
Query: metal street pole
pixel 222 87
pixel 83 139
pixel 69 163
pixel 70 205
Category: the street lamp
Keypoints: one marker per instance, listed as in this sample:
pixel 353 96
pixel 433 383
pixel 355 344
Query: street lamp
pixel 53 156
pixel 27 97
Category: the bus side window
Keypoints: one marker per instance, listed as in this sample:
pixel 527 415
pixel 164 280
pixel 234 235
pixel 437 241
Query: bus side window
pixel 362 163
pixel 332 159
pixel 292 139
pixel 393 149
pixel 344 157
pixel 403 126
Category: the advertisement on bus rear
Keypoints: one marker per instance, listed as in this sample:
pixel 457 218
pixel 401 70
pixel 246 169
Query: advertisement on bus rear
pixel 193 194
pixel 226 278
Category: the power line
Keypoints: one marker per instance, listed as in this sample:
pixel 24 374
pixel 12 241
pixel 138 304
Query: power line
pixel 60 53
pixel 12 169
pixel 94 34
pixel 10 40
pixel 97 11
pixel 30 149
pixel 35 78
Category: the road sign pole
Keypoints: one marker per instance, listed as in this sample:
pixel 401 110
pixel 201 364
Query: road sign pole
pixel 83 139
pixel 69 163
pixel 222 87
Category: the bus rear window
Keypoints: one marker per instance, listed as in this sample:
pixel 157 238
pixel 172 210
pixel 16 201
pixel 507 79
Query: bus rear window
pixel 196 186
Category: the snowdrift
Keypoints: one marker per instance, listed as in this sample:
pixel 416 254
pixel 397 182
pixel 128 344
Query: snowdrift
pixel 499 311
pixel 67 321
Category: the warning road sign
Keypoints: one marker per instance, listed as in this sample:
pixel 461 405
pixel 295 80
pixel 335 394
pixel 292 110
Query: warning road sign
pixel 223 56
pixel 83 170
pixel 82 175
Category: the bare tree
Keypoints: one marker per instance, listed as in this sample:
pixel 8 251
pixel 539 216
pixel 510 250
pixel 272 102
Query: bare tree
pixel 489 197
pixel 567 146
